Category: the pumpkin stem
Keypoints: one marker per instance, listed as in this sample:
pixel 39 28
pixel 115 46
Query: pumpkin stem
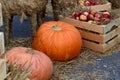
pixel 56 28
pixel 30 50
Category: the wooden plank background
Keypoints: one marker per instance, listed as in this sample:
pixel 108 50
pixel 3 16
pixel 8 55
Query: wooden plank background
pixel 1 17
pixel 2 46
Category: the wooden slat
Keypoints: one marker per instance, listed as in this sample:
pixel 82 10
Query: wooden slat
pixel 100 47
pixel 99 38
pixel 110 35
pixel 118 39
pixel 2 69
pixel 91 36
pixel 83 25
pixel 110 44
pixel 118 30
pixel 102 7
pixel 93 46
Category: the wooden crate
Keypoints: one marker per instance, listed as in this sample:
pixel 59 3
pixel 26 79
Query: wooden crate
pixel 97 37
pixel 101 7
pixel 2 69
pixel 2 47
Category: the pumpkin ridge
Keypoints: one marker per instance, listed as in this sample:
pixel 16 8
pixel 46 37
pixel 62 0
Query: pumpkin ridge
pixel 36 60
pixel 55 45
pixel 43 66
pixel 50 44
pixel 61 39
pixel 42 39
pixel 69 37
pixel 44 30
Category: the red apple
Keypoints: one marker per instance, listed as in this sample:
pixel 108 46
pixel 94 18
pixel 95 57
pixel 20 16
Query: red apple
pixel 76 14
pixel 87 3
pixel 83 17
pixel 90 21
pixel 106 15
pixel 98 15
pixel 77 18
pixel 92 2
pixel 90 17
pixel 93 12
pixel 73 17
pixel 85 13
pixel 97 19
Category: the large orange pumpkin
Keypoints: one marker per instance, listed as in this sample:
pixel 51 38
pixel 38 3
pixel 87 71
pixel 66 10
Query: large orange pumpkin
pixel 40 65
pixel 59 40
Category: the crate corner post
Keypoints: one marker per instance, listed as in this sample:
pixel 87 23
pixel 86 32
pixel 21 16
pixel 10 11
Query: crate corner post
pixel 2 69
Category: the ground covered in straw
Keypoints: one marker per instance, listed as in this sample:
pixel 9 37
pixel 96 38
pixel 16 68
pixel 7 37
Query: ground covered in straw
pixel 88 65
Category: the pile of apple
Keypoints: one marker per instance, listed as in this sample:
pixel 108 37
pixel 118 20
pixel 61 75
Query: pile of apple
pixel 91 16
pixel 88 2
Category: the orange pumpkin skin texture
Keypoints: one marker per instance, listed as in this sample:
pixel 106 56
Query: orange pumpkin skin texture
pixel 59 40
pixel 41 66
